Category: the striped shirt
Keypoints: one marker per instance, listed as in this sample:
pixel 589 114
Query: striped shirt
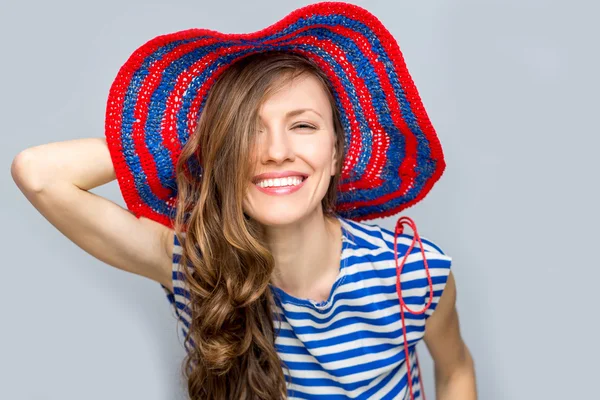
pixel 352 344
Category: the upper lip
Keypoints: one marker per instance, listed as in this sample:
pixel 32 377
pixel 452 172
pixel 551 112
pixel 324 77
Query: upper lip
pixel 273 175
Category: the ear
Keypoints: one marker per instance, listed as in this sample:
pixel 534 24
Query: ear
pixel 333 161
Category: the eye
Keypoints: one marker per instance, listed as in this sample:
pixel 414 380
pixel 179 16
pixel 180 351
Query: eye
pixel 304 126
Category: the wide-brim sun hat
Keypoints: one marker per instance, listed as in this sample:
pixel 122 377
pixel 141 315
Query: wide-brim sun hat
pixel 393 156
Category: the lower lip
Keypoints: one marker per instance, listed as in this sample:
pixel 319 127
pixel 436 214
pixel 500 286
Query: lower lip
pixel 279 190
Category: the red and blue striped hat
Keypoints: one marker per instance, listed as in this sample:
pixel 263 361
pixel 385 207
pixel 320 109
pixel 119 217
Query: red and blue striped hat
pixel 392 157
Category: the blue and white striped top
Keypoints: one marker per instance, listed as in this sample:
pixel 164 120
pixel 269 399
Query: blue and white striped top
pixel 352 345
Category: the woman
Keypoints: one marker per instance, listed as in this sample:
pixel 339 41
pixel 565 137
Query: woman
pixel 279 284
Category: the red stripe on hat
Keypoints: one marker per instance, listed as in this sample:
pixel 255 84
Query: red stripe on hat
pixel 169 137
pixel 113 124
pixel 407 166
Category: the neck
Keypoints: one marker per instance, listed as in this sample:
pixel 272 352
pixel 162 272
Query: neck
pixel 307 255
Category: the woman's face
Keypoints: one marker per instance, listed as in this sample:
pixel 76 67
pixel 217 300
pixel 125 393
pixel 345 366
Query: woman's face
pixel 295 138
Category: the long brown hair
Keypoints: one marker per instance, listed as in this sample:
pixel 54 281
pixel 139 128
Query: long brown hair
pixel 233 355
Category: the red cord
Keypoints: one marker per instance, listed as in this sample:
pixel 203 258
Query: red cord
pixel 398 231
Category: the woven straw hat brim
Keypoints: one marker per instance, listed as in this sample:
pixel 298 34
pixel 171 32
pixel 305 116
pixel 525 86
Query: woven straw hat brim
pixel 393 156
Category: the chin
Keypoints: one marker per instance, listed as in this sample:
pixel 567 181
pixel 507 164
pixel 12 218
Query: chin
pixel 276 216
pixel 272 219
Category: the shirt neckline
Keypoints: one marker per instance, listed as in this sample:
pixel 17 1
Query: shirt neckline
pixel 287 298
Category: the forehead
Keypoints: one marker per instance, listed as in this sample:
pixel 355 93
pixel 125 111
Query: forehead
pixel 304 91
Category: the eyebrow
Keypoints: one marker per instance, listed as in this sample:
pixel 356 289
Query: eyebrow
pixel 302 110
pixel 298 111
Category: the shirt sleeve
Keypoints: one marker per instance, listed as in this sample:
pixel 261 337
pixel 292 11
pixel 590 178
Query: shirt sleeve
pixel 417 293
pixel 439 264
pixel 172 297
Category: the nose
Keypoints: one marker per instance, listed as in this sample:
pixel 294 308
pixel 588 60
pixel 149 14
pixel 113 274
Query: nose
pixel 275 146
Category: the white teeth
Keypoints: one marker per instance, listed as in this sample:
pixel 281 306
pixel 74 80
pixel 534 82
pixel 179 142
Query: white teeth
pixel 287 181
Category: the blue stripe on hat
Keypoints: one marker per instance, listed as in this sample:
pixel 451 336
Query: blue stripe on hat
pixel 130 155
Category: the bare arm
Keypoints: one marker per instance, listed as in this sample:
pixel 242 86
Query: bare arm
pixel 56 179
pixel 454 367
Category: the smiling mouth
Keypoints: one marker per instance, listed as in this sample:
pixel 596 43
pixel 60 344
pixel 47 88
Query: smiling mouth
pixel 282 182
pixel 285 188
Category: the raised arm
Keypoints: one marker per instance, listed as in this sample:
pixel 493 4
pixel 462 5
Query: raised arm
pixel 454 368
pixel 56 179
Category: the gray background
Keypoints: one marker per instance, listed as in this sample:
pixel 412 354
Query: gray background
pixel 511 88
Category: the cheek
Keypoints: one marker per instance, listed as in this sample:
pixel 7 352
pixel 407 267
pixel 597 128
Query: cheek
pixel 318 154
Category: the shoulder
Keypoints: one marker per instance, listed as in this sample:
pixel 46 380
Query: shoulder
pixel 367 234
pixel 405 240
pixel 363 234
pixel 425 270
